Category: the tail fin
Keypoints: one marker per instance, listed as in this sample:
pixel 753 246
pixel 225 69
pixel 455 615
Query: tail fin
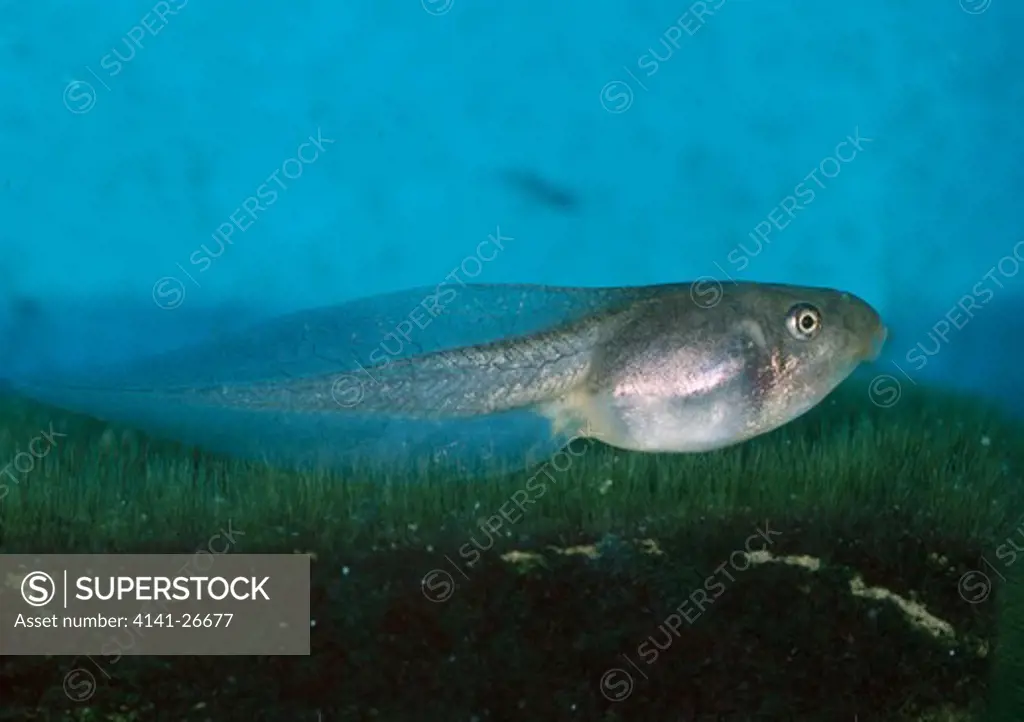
pixel 169 395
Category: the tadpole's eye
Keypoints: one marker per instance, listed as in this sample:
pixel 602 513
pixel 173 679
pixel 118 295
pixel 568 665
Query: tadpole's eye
pixel 803 321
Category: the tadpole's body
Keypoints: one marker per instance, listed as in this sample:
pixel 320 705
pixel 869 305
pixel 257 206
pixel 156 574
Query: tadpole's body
pixel 487 376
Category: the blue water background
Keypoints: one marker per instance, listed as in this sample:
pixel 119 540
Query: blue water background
pixel 445 122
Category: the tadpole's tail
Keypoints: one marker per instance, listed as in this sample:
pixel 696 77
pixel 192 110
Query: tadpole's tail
pixel 349 384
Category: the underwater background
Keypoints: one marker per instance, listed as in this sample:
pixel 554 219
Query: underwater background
pixel 174 169
pixel 869 146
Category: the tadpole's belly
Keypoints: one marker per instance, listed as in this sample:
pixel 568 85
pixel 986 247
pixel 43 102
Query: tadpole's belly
pixel 658 408
pixel 668 424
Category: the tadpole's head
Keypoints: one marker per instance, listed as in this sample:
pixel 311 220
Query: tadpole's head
pixel 804 343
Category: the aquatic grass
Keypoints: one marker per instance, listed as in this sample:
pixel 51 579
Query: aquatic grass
pixel 1007 698
pixel 904 498
pixel 940 463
